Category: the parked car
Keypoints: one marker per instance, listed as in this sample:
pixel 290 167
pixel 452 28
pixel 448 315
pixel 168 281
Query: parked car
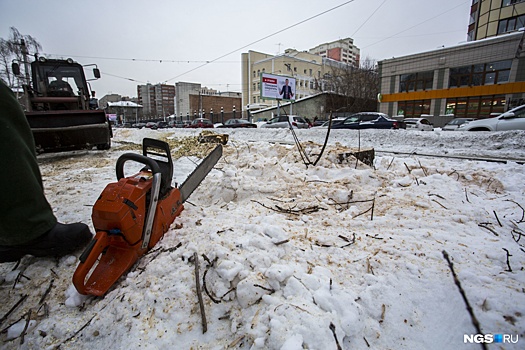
pixel 176 124
pixel 455 123
pixel 324 125
pixel 422 124
pixel 368 120
pixel 284 121
pixel 237 123
pixel 200 123
pixel 162 125
pixel 139 125
pixel 151 125
pixel 513 119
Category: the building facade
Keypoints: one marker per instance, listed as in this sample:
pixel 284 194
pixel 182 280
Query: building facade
pixel 476 79
pixel 195 101
pixel 157 100
pixel 308 69
pixel 490 18
pixel 342 50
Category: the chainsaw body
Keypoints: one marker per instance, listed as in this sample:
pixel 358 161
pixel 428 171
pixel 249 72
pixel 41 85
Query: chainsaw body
pixel 130 217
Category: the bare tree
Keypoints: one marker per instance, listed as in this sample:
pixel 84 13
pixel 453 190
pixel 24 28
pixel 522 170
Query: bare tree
pixel 11 50
pixel 357 86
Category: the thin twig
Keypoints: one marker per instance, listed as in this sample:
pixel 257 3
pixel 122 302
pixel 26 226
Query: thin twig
pixel 28 320
pixel 206 288
pixel 77 332
pixel 488 228
pixel 392 161
pixel 13 308
pixel 46 292
pixel 332 328
pixel 199 293
pixel 424 171
pixel 508 262
pixel 475 321
pixel 496 215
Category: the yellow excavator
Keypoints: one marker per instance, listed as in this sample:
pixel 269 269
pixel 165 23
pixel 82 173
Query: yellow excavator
pixel 60 107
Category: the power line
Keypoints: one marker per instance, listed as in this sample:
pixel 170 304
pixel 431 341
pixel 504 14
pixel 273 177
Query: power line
pixel 136 59
pixel 264 38
pixel 373 13
pixel 418 24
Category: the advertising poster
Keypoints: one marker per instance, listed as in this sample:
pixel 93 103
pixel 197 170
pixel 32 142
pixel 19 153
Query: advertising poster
pixel 277 87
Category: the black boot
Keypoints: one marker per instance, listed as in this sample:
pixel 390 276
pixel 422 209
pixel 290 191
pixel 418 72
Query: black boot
pixel 62 239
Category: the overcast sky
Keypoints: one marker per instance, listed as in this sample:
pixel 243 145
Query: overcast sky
pixel 135 42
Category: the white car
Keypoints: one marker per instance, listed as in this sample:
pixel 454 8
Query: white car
pixel 455 123
pixel 510 120
pixel 287 121
pixel 418 124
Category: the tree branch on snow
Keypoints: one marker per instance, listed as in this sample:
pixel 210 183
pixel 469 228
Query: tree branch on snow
pixel 199 293
pixel 332 328
pixel 475 321
pixel 508 262
pixel 522 211
pixel 206 288
pixel 485 226
pixel 13 308
pixel 496 215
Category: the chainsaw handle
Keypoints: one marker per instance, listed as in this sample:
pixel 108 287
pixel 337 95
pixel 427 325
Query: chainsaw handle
pixel 149 162
pixel 88 259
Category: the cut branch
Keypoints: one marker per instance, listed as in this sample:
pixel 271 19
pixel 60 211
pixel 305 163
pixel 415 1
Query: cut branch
pixel 199 293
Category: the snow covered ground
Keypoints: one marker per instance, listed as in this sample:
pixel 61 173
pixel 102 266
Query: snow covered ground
pixel 337 255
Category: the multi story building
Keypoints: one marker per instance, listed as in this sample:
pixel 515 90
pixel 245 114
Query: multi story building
pixel 193 101
pixel 473 79
pixel 308 69
pixel 490 18
pixel 157 100
pixel 342 50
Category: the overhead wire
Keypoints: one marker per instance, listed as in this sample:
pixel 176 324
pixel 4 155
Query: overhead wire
pixel 418 24
pixel 369 17
pixel 264 38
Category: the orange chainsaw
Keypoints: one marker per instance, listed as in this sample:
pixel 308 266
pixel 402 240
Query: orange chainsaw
pixel 132 215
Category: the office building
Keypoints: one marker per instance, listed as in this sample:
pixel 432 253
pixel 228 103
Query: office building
pixel 308 70
pixel 475 79
pixel 489 18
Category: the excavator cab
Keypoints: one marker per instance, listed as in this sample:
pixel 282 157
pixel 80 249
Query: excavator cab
pixel 57 107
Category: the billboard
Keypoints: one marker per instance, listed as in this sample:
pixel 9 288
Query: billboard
pixel 277 87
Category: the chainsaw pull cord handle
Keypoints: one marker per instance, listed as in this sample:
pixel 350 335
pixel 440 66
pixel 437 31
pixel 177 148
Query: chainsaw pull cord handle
pixel 155 189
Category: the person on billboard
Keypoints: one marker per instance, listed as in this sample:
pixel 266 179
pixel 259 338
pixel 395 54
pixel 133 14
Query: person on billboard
pixel 286 91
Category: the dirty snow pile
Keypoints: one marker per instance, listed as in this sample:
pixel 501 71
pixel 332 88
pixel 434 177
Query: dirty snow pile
pixel 340 255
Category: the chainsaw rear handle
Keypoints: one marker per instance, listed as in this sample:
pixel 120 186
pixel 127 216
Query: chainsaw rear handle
pixel 149 162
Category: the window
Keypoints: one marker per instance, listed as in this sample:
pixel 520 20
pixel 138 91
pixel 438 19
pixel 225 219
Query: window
pixel 416 81
pixel 480 74
pixel 413 108
pixel 510 2
pixel 475 107
pixel 510 24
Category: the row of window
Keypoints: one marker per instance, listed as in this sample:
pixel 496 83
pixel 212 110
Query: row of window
pixel 472 75
pixel 461 107
pixel 289 69
pixel 480 74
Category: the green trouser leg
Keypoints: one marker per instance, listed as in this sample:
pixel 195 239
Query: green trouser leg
pixel 25 213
